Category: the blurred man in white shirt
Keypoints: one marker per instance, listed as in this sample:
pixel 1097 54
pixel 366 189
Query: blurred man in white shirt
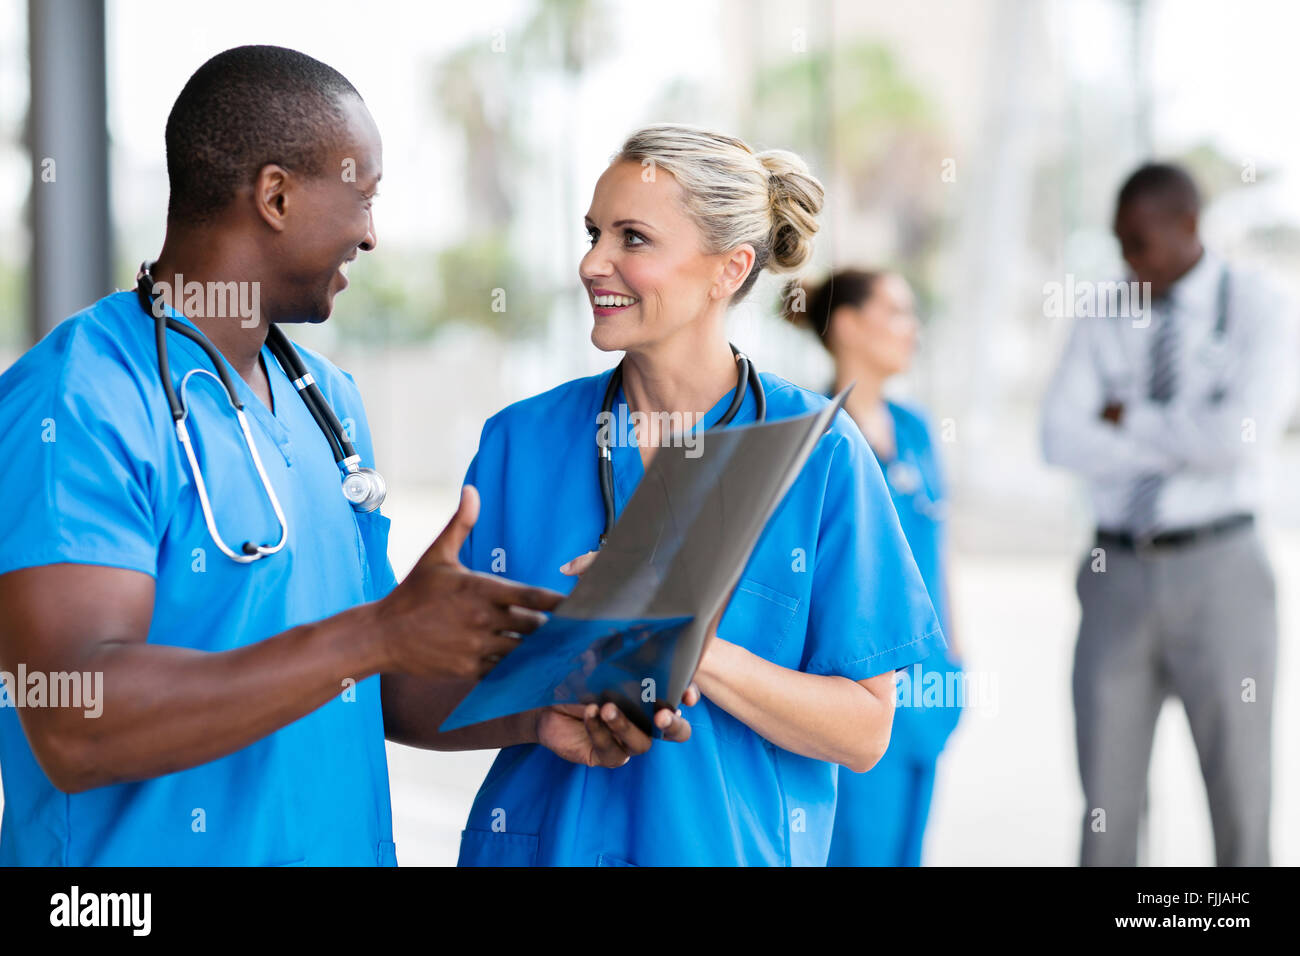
pixel 1170 418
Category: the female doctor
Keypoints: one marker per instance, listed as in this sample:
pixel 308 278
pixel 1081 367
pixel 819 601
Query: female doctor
pixel 867 321
pixel 799 677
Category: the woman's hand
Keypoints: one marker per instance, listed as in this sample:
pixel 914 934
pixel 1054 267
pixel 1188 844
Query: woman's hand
pixel 602 736
pixel 578 566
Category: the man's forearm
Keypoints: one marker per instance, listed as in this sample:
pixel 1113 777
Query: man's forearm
pixel 1086 443
pixel 414 709
pixel 168 708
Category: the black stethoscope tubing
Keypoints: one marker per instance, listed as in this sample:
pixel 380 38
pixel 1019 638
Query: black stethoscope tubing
pixel 747 376
pixel 364 488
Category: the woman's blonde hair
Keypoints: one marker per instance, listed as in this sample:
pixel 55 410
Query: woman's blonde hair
pixel 769 199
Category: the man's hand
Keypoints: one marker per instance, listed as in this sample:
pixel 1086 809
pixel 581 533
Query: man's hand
pixel 602 736
pixel 1113 412
pixel 444 621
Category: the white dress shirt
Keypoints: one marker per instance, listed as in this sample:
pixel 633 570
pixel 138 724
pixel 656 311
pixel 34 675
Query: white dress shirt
pixel 1211 442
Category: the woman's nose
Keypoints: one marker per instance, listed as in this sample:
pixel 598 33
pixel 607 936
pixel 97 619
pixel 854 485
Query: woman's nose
pixel 590 267
pixel 595 263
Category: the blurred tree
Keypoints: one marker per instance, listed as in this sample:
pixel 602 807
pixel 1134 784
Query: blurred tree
pixel 871 135
pixel 483 278
pixel 1217 173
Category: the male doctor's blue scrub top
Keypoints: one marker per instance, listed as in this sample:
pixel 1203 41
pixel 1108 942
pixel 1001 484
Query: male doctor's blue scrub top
pixel 881 815
pixel 98 477
pixel 830 589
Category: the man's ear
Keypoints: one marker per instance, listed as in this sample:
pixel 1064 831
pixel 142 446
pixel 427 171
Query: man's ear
pixel 734 271
pixel 271 195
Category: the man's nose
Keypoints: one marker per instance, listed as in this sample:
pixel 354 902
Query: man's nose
pixel 371 240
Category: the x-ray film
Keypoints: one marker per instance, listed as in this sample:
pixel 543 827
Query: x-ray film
pixel 636 625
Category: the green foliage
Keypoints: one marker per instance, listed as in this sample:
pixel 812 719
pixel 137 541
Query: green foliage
pixel 871 133
pixel 14 334
pixel 854 100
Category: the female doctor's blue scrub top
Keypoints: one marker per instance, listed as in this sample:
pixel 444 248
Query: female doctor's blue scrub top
pixel 830 589
pixel 97 477
pixel 881 815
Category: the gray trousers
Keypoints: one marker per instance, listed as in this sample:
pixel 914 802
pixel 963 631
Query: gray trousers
pixel 1199 622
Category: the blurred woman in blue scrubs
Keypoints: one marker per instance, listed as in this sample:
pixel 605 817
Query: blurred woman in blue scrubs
pixel 867 320
pixel 798 679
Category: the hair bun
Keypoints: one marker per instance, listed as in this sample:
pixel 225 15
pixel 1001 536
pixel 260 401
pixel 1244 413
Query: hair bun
pixel 795 200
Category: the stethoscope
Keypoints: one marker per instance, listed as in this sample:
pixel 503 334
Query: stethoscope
pixel 906 481
pixel 748 377
pixel 364 488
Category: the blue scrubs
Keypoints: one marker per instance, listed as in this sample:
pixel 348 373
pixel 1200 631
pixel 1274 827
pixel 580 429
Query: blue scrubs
pixel 91 453
pixel 881 815
pixel 830 589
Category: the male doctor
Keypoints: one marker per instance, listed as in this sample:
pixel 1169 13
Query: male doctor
pixel 1173 418
pixel 243 710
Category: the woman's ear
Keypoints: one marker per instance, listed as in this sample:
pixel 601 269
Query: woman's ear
pixel 843 324
pixel 735 269
pixel 270 195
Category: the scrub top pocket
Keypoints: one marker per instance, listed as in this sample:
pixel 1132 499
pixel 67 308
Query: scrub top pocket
pixel 758 619
pixel 485 848
pixel 372 546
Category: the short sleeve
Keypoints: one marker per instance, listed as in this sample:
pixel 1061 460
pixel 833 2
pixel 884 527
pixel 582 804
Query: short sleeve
pixel 467 548
pixel 80 453
pixel 870 612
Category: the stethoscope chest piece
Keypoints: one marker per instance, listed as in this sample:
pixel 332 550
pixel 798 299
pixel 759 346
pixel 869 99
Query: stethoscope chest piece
pixel 365 489
pixel 903 477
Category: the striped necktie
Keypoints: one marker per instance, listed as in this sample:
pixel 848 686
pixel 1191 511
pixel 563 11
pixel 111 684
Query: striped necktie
pixel 1163 380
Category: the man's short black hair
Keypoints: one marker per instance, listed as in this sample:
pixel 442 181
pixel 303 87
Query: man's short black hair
pixel 1171 185
pixel 241 110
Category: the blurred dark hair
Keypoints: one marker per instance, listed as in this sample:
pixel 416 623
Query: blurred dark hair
pixel 811 305
pixel 1170 184
pixel 242 109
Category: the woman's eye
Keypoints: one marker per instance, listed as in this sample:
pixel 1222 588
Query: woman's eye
pixel 592 236
pixel 630 235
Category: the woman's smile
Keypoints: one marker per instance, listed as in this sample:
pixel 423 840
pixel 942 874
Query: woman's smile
pixel 609 302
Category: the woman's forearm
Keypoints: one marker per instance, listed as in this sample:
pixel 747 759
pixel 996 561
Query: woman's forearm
pixel 824 717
